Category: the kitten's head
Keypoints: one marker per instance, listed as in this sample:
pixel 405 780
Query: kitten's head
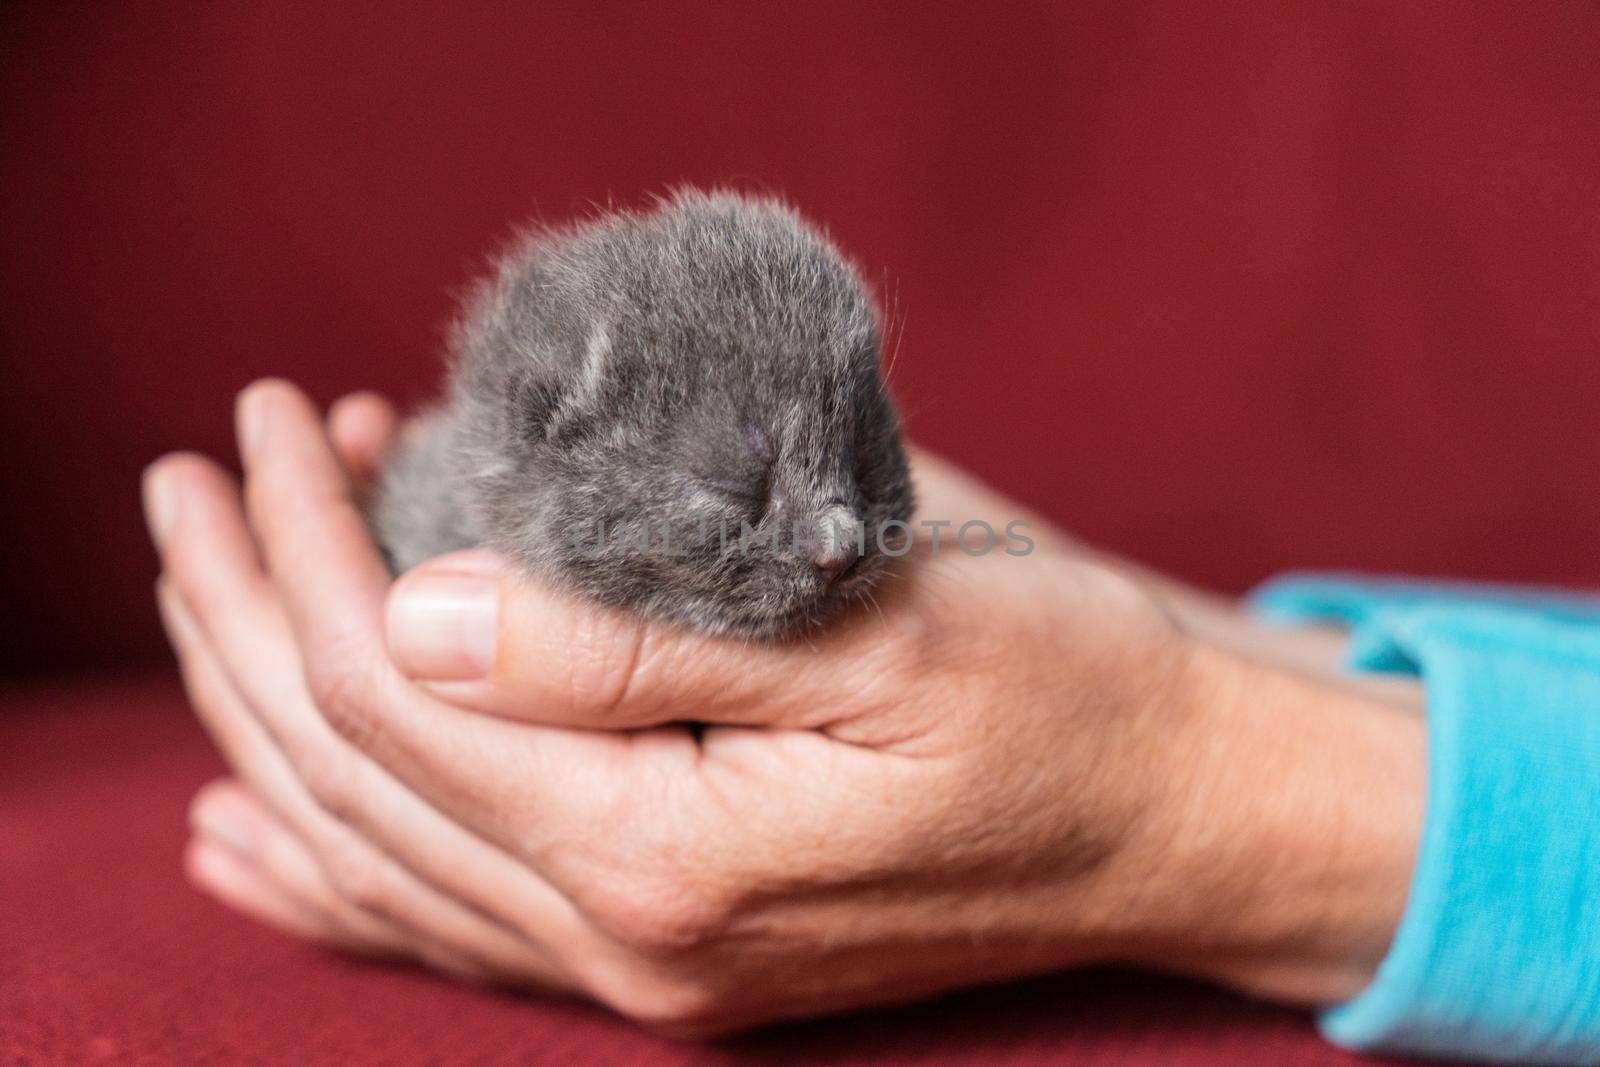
pixel 691 420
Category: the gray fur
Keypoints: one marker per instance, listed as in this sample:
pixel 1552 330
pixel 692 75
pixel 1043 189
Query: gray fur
pixel 670 374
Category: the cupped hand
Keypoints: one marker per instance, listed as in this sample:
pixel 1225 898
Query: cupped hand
pixel 1002 766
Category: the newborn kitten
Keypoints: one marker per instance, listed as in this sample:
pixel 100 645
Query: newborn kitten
pixel 676 411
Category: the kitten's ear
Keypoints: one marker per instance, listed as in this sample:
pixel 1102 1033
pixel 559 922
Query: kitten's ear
pixel 573 406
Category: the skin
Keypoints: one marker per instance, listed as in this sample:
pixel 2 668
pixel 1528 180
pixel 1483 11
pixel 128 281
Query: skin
pixel 1014 765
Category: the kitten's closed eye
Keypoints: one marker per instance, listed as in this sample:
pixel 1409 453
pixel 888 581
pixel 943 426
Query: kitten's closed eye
pixel 751 491
pixel 744 475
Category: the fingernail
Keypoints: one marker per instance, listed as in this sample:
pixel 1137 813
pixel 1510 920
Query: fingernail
pixel 220 825
pixel 251 420
pixel 160 503
pixel 442 626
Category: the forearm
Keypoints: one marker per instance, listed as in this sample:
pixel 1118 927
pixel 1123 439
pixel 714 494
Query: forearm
pixel 1287 835
pixel 1486 949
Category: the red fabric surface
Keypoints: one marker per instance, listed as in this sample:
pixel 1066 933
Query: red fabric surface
pixel 107 956
pixel 1230 287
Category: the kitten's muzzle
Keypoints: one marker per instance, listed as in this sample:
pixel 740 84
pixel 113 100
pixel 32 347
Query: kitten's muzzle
pixel 838 544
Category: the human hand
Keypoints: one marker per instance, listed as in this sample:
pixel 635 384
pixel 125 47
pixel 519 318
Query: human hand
pixel 1014 765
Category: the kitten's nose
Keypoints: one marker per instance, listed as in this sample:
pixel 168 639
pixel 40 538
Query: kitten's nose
pixel 833 560
pixel 838 545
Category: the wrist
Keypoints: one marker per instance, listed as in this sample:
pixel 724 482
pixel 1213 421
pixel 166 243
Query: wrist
pixel 1284 833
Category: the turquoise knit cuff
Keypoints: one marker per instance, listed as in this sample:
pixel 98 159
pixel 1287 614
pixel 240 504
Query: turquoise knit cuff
pixel 1498 953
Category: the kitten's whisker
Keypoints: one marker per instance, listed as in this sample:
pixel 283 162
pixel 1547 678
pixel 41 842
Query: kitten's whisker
pixel 875 606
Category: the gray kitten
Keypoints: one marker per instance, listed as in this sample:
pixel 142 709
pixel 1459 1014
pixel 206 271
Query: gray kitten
pixel 676 411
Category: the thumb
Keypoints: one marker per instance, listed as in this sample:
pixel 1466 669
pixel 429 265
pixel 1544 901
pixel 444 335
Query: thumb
pixel 479 635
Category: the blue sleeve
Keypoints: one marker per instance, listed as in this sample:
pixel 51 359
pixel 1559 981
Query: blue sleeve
pixel 1497 956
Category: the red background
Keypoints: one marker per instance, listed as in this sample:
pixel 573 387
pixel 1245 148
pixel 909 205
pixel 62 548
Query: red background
pixel 1230 288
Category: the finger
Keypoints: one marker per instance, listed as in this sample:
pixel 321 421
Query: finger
pixel 332 584
pixel 237 882
pixel 352 878
pixel 362 426
pixel 315 542
pixel 424 919
pixel 224 813
pixel 259 710
pixel 231 815
pixel 479 635
pixel 217 870
pixel 241 738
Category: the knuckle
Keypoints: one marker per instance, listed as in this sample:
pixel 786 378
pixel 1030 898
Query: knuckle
pixel 656 917
pixel 358 877
pixel 608 650
pixel 343 694
pixel 333 686
pixel 326 775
